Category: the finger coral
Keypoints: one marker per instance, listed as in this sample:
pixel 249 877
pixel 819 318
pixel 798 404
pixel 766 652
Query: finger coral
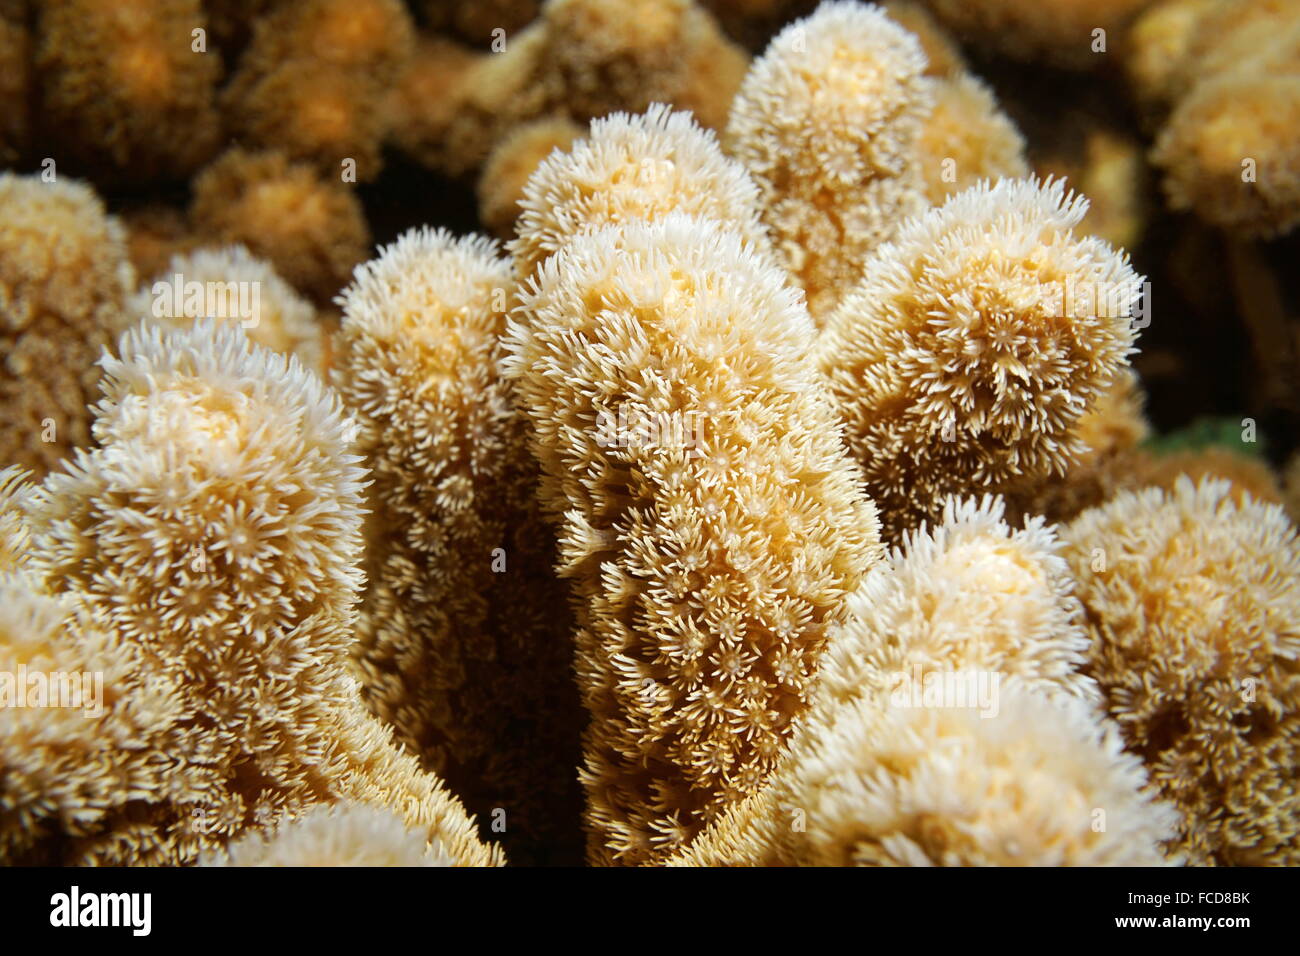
pixel 207 549
pixel 1039 784
pixel 126 84
pixel 512 162
pixel 827 122
pixel 1229 148
pixel 63 281
pixel 233 285
pixel 1193 601
pixel 615 55
pixel 485 699
pixel 1008 767
pixel 966 138
pixel 709 517
pixel 1110 432
pixel 311 229
pixel 311 81
pixel 974 343
pixel 1230 153
pixel 341 835
pixel 632 168
pixel 574 547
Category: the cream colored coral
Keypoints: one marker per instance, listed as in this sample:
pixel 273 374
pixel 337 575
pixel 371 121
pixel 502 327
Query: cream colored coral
pixel 615 55
pixel 63 279
pixel 342 835
pixel 312 229
pixel 965 358
pixel 14 535
pixel 1042 783
pixel 633 168
pixel 208 548
pixel 1193 599
pixel 1250 476
pixel 971 594
pixel 709 517
pixel 418 364
pixel 312 78
pixel 512 162
pixel 278 318
pixel 1231 153
pixel 966 138
pixel 1016 770
pixel 1110 431
pixel 122 89
pixel 1156 45
pixel 827 122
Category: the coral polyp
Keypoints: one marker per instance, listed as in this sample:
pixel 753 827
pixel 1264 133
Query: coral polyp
pixel 669 433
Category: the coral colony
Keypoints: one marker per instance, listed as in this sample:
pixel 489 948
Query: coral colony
pixel 775 489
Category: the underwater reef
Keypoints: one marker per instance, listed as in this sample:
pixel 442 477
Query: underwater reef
pixel 649 433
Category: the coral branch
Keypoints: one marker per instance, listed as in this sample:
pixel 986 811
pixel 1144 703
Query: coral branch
pixel 711 521
pixel 204 557
pixel 966 357
pixel 827 122
pixel 1193 600
pixel 484 697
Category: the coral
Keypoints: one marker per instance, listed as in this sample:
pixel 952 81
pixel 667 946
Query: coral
pixel 574 549
pixel 311 229
pixel 615 55
pixel 1109 432
pixel 709 516
pixel 123 84
pixel 633 168
pixel 967 138
pixel 204 556
pixel 971 594
pixel 312 79
pixel 432 106
pixel 14 534
pixel 964 359
pixel 63 279
pixel 1229 147
pixel 450 106
pixel 580 59
pixel 1193 600
pixel 512 162
pixel 827 122
pixel 365 37
pixel 1231 153
pixel 1157 45
pixel 318 115
pixel 1109 169
pixel 1249 476
pixel 1010 772
pixel 244 289
pixel 1059 32
pixel 932 786
pixel 341 835
pixel 418 364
